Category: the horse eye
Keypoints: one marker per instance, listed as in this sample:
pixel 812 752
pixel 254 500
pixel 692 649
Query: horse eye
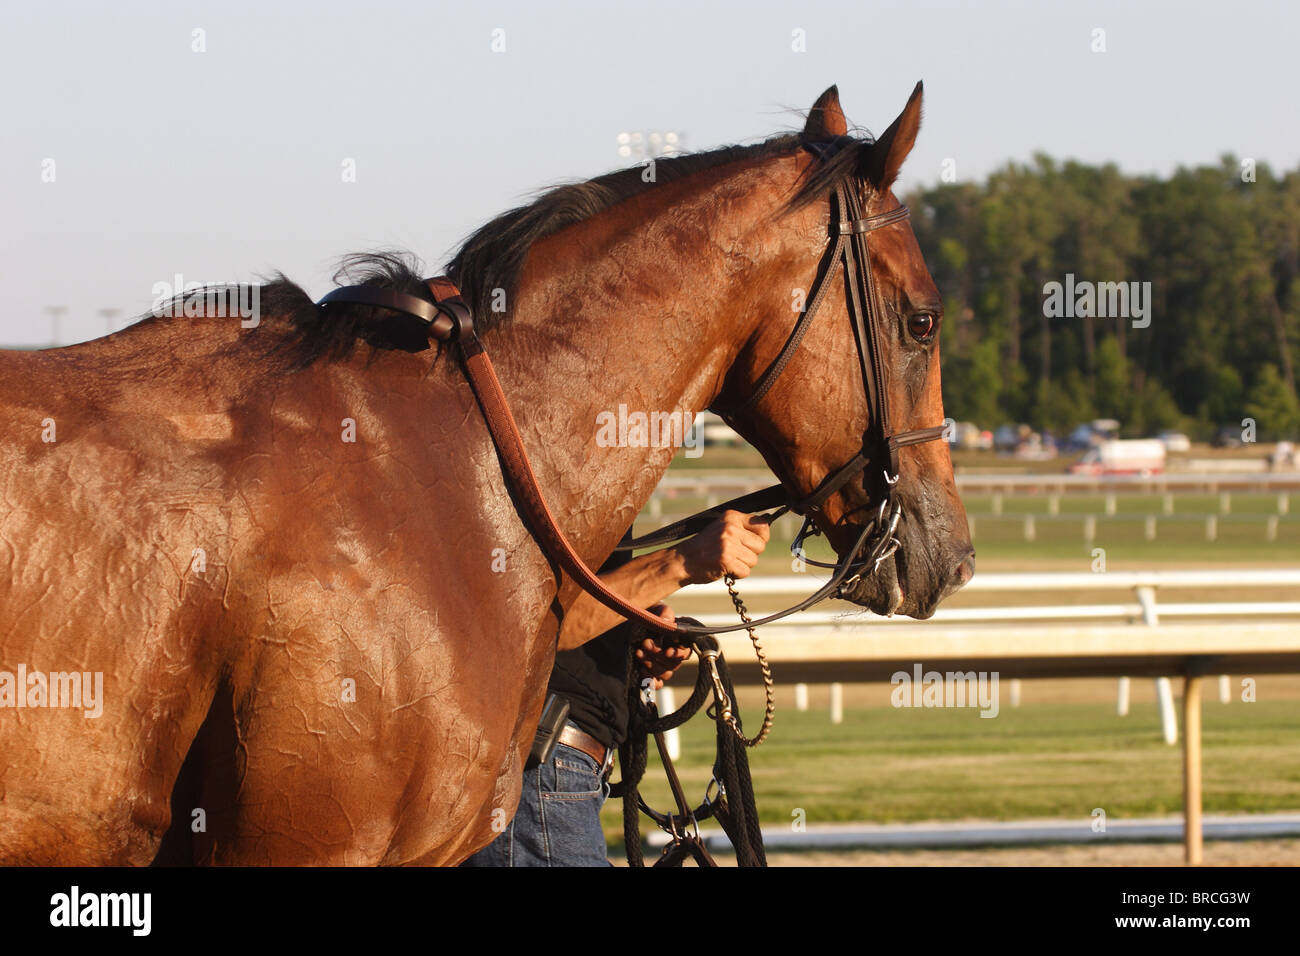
pixel 921 325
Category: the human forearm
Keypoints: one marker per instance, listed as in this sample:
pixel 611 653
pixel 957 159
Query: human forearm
pixel 730 545
pixel 644 581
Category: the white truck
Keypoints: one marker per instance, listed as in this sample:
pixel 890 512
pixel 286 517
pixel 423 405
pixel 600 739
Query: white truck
pixel 1144 456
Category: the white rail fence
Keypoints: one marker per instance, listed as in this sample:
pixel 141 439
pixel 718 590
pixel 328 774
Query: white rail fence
pixel 1270 523
pixel 1139 637
pixel 724 485
pixel 714 489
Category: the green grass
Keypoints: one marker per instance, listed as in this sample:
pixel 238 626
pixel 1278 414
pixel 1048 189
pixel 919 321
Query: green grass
pixel 901 765
pixel 1059 541
pixel 1055 758
pixel 1123 539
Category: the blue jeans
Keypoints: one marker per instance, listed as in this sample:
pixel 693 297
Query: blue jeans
pixel 558 820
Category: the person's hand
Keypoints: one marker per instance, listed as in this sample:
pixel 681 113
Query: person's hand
pixel 731 545
pixel 655 661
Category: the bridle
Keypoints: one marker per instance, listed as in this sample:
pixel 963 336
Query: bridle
pixel 450 321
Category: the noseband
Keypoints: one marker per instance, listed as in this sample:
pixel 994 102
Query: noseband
pixel 451 322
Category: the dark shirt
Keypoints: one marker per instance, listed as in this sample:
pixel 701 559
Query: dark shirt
pixel 593 678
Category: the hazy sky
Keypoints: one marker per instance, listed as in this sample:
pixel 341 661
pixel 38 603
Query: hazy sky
pixel 225 164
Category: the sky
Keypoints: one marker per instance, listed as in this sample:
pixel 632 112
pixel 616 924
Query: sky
pixel 142 141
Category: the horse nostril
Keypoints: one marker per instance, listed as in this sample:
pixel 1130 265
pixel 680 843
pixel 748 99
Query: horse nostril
pixel 965 570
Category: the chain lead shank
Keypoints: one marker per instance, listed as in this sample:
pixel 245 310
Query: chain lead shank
pixel 725 710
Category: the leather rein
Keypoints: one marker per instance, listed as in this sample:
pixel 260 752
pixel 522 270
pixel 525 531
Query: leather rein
pixel 450 321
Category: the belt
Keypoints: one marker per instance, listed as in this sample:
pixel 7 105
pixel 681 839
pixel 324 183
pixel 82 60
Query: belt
pixel 593 748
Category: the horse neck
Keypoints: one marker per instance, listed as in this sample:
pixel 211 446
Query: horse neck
pixel 640 311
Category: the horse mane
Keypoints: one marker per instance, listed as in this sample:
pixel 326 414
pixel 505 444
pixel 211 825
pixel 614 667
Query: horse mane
pixel 493 256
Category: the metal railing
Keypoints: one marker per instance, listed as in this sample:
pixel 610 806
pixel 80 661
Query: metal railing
pixel 1048 640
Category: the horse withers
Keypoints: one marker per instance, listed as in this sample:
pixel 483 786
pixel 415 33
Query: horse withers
pixel 285 552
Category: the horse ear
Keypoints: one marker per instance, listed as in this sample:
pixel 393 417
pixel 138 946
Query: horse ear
pixel 883 160
pixel 825 119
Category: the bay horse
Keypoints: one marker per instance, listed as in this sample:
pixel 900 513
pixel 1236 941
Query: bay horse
pixel 323 630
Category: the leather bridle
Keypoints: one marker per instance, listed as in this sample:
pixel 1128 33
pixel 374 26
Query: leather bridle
pixel 451 322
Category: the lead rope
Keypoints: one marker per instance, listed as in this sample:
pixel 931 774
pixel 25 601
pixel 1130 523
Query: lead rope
pixel 732 805
pixel 724 703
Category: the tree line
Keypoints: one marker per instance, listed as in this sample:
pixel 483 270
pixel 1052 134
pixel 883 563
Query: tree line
pixel 1219 245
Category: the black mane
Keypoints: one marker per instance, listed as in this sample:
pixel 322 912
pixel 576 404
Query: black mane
pixel 493 256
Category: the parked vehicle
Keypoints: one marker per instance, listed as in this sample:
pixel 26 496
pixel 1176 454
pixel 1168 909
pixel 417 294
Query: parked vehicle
pixel 1175 442
pixel 1082 437
pixel 1036 447
pixel 969 435
pixel 1142 456
pixel 1229 436
pixel 1092 433
pixel 1104 428
pixel 1006 438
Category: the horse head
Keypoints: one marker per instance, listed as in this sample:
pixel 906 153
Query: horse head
pixel 814 405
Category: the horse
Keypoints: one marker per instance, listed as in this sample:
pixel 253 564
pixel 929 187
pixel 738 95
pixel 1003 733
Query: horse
pixel 286 549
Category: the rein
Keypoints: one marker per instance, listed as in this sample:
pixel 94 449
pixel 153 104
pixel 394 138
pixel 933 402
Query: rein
pixel 729 798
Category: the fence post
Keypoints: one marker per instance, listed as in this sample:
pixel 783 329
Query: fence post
pixel 1165 695
pixel 1110 503
pixel 1211 528
pixel 1121 705
pixel 800 696
pixel 1225 690
pixel 1192 769
pixel 1149 528
pixel 667 703
pixel 837 703
pixel 1030 531
pixel 1146 596
pixel 1015 692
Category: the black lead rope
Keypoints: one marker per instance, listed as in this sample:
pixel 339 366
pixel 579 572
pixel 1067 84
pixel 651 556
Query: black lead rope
pixel 733 806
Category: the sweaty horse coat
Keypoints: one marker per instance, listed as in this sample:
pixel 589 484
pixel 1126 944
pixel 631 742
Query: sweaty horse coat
pixel 323 630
